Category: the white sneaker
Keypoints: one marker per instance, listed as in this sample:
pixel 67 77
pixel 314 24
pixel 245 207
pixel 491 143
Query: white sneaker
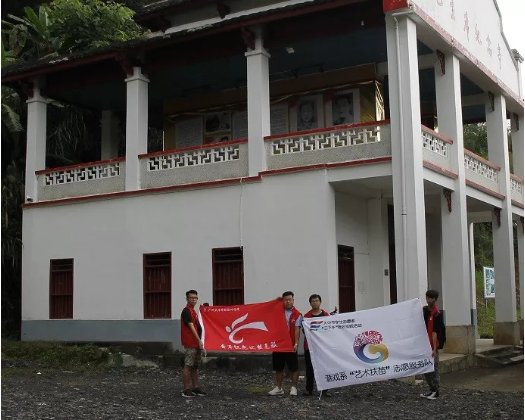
pixel 278 391
pixel 293 391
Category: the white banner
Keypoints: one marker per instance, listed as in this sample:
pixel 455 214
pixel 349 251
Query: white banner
pixel 367 346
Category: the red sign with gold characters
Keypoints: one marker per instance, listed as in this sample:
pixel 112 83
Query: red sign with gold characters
pixel 257 327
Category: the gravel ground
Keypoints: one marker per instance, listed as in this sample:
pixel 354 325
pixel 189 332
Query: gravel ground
pixel 155 394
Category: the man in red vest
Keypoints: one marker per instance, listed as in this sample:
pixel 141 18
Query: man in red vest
pixel 190 336
pixel 279 359
pixel 435 326
pixel 316 311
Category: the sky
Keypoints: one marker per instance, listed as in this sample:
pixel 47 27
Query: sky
pixel 513 15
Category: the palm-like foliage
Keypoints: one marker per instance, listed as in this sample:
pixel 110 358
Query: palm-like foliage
pixel 30 36
pixel 61 27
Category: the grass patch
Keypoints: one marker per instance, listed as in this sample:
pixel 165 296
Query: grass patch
pixel 258 390
pixel 486 309
pixel 55 355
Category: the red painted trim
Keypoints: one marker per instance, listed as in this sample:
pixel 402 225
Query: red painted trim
pixel 515 203
pixel 80 165
pixel 454 43
pixel 435 133
pixel 327 166
pixel 485 190
pixel 326 129
pixel 142 192
pixel 483 160
pixel 187 149
pixel 439 169
pixel 390 5
pixel 201 184
pixel 517 178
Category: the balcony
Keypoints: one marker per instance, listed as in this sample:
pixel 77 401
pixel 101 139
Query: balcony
pixel 516 190
pixel 481 173
pixel 82 180
pixel 332 145
pixel 436 150
pixel 194 165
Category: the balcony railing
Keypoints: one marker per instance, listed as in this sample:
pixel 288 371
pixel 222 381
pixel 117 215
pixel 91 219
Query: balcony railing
pixel 516 189
pixel 436 149
pixel 194 164
pixel 329 145
pixel 481 172
pixel 81 180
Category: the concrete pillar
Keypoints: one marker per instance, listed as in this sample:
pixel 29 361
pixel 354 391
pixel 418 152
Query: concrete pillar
pixel 36 140
pixel 136 126
pixel 473 298
pixel 506 329
pixel 378 253
pixel 517 137
pixel 407 158
pixel 258 103
pixel 109 137
pixel 455 267
pixel 433 224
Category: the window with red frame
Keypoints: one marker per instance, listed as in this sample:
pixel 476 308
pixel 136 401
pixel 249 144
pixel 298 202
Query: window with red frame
pixel 157 285
pixel 61 289
pixel 228 276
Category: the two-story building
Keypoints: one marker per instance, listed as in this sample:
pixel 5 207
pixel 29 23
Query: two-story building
pixel 313 146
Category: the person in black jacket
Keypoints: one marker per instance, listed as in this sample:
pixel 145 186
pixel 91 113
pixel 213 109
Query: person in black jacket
pixel 435 327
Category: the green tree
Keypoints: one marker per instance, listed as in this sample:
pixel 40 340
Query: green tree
pixel 61 27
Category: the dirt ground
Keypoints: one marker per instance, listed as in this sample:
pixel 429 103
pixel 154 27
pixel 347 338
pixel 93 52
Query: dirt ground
pixel 155 394
pixel 484 379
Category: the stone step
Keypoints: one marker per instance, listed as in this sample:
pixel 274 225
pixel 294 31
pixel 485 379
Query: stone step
pixel 498 358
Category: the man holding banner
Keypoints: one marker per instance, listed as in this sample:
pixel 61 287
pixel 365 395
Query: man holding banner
pixel 281 359
pixel 367 346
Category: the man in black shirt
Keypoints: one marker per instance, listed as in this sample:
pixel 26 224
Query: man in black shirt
pixel 435 328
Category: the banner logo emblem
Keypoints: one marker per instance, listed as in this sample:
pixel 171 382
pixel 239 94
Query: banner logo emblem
pixel 252 325
pixel 370 343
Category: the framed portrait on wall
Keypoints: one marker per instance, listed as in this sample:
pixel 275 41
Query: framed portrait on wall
pixel 343 108
pixel 307 113
pixel 215 122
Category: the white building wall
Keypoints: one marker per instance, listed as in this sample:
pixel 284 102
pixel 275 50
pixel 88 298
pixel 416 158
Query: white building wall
pixel 286 225
pixel 351 230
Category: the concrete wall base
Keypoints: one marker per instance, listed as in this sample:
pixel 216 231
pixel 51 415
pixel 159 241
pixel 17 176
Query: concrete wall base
pixel 506 333
pixel 461 339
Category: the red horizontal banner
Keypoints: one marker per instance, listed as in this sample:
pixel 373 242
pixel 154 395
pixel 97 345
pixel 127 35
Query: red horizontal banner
pixel 257 327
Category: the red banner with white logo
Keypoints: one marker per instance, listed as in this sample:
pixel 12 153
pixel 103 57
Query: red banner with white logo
pixel 257 327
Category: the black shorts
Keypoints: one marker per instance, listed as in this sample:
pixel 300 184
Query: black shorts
pixel 279 360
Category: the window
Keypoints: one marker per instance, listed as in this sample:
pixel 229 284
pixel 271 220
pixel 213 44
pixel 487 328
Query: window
pixel 228 276
pixel 346 278
pixel 157 285
pixel 61 289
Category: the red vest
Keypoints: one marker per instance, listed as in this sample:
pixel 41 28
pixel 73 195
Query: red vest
pixel 291 324
pixel 309 315
pixel 186 337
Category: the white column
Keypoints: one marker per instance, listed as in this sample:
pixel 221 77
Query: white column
pixel 473 299
pixel 455 268
pixel 136 126
pixel 109 137
pixel 258 103
pixel 36 140
pixel 434 251
pixel 504 272
pixel 518 130
pixel 407 158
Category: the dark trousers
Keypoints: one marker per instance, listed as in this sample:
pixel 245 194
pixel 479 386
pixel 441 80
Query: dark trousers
pixel 309 371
